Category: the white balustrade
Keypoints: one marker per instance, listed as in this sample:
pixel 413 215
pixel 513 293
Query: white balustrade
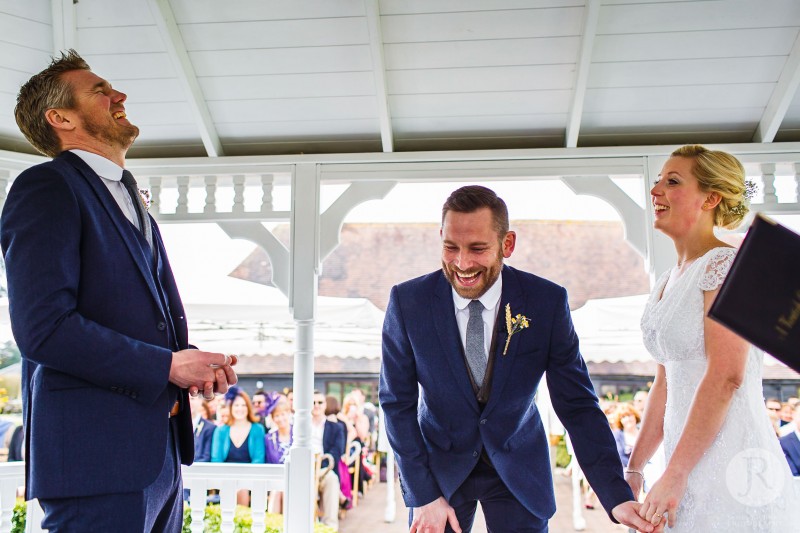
pixel 228 478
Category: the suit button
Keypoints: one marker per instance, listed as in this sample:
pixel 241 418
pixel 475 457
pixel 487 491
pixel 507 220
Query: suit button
pixel 474 454
pixel 162 326
pixel 483 421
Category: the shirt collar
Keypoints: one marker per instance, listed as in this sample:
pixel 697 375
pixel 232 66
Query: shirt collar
pixel 489 299
pixel 105 168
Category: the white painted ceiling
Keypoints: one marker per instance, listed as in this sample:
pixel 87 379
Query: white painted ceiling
pixel 243 77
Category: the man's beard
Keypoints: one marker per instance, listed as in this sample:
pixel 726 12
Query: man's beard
pixel 489 276
pixel 113 134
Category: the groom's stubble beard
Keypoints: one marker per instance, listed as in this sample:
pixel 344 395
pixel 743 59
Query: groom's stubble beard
pixel 490 275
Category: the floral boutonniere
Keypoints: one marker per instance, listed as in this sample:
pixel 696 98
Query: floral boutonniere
pixel 513 325
pixel 144 194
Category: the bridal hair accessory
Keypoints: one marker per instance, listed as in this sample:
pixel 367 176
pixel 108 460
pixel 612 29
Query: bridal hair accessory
pixel 513 325
pixel 742 207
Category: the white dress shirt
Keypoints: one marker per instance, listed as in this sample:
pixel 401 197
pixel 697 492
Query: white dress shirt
pixel 111 174
pixel 491 305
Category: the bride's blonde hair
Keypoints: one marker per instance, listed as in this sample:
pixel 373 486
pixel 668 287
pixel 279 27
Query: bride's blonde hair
pixel 720 172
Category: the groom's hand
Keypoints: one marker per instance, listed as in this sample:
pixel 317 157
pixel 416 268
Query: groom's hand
pixel 433 517
pixel 628 514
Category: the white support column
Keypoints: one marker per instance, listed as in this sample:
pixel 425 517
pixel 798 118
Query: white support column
pixel 64 27
pixel 304 261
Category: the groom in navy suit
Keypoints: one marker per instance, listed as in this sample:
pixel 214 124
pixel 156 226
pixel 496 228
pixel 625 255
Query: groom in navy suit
pixel 458 389
pixel 97 316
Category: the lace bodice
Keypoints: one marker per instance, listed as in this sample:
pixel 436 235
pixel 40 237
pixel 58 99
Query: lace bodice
pixel 673 332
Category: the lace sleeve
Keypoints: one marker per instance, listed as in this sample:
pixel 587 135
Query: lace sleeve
pixel 719 262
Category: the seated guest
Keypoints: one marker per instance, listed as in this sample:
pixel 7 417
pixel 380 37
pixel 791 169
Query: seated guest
pixel 791 444
pixel 626 431
pixel 203 429
pixel 241 439
pixel 327 437
pixel 278 442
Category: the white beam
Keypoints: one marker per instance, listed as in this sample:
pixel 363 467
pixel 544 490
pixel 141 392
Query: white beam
pixel 64 28
pixel 582 78
pixel 782 96
pixel 379 73
pixel 176 49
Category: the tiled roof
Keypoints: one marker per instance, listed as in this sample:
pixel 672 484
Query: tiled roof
pixel 590 259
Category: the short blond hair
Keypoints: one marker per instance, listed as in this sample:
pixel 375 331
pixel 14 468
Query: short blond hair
pixel 719 172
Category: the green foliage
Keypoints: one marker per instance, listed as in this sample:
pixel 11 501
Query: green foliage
pixel 212 521
pixel 18 517
pixel 242 521
pixel 9 354
pixel 562 457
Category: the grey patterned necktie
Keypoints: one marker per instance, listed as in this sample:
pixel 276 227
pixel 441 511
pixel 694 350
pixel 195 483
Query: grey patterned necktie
pixel 476 355
pixel 141 211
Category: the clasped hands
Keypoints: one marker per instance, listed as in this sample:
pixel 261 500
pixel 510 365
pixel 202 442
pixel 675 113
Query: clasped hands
pixel 197 370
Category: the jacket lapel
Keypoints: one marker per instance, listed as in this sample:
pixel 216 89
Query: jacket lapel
pixel 512 294
pixel 121 223
pixel 444 319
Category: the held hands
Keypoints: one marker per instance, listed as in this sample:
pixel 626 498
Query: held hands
pixel 627 513
pixel 195 370
pixel 433 517
pixel 662 501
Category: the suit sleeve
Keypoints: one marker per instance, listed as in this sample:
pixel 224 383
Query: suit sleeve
pixel 399 394
pixel 41 240
pixel 795 468
pixel 576 405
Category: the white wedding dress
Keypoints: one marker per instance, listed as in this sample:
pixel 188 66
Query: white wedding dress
pixel 743 482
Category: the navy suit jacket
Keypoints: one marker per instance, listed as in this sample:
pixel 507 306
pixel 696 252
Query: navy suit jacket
pixel 435 424
pixel 791 449
pixel 202 441
pixel 93 333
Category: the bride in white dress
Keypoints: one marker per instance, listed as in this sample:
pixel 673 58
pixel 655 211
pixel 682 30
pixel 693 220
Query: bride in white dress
pixel 725 468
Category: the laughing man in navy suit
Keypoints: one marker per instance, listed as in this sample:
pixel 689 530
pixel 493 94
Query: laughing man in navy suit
pixel 97 316
pixel 460 439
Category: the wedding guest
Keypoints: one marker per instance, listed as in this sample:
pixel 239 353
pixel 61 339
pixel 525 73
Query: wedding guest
pixel 640 401
pixel 791 444
pixel 203 429
pixel 712 409
pixel 773 406
pixel 97 316
pixel 334 414
pixel 278 442
pixel 785 414
pixel 327 437
pixel 241 439
pixel 626 431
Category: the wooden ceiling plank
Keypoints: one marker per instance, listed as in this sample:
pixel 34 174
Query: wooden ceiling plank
pixel 379 73
pixel 64 27
pixel 176 49
pixel 782 96
pixel 591 18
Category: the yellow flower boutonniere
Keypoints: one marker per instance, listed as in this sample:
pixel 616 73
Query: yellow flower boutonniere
pixel 144 194
pixel 513 325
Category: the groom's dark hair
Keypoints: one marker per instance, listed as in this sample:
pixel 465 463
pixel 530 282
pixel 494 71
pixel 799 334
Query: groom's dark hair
pixel 470 198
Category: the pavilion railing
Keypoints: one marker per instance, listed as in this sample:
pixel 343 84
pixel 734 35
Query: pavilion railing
pixel 199 478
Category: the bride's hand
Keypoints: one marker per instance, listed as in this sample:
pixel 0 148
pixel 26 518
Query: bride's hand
pixel 663 499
